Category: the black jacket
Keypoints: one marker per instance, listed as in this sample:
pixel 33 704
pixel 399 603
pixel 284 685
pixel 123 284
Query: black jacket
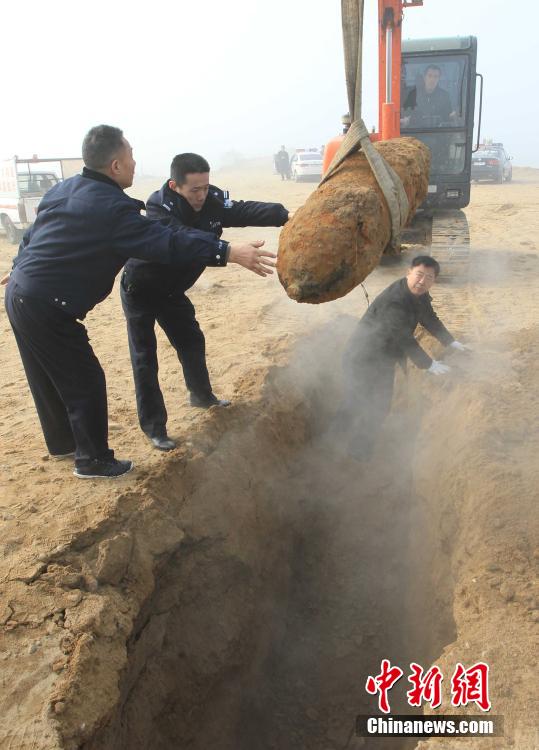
pixel 86 228
pixel 217 213
pixel 427 110
pixel 387 329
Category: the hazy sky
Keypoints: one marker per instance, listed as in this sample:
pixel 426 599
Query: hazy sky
pixel 232 75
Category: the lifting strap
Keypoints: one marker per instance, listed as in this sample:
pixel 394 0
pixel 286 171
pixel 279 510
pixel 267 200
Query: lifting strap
pixel 358 136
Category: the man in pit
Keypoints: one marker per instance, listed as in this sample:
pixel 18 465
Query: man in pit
pixel 384 338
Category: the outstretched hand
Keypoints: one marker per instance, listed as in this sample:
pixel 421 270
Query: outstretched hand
pixel 250 256
pixel 4 280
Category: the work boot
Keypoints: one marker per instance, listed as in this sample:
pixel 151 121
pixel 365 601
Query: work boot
pixel 107 468
pixel 205 402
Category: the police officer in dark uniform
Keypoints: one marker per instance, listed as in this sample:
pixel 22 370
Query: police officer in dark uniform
pixel 384 338
pixel 85 230
pixel 151 292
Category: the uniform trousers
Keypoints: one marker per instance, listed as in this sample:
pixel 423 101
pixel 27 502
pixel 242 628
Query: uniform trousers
pixel 64 375
pixel 175 314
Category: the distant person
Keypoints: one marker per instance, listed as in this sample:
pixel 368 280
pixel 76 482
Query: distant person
pixel 45 183
pixel 153 292
pixel 85 230
pixel 384 338
pixel 427 104
pixel 282 162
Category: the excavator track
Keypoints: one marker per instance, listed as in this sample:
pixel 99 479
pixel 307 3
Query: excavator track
pixel 450 245
pixel 444 235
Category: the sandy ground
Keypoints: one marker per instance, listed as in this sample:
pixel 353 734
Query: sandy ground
pixel 250 325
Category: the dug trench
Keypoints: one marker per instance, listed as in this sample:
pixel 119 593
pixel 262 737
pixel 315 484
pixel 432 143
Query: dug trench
pixel 240 598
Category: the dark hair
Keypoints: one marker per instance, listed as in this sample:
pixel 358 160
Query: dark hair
pixel 184 164
pixel 433 67
pixel 428 261
pixel 100 145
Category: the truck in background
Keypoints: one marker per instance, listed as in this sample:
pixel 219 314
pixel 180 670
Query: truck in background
pixel 23 183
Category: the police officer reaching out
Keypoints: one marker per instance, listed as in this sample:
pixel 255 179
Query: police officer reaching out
pixel 85 230
pixel 152 292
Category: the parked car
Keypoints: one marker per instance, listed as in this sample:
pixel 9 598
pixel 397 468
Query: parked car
pixel 492 163
pixel 306 164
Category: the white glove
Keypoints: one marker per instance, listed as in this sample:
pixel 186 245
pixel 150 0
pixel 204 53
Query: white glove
pixel 460 347
pixel 438 368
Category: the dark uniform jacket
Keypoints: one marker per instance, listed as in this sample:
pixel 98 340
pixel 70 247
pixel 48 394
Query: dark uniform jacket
pixel 386 331
pixel 217 213
pixel 428 110
pixel 86 228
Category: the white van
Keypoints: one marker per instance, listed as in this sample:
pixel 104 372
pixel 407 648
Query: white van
pixel 23 183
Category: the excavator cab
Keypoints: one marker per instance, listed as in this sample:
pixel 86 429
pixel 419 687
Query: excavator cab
pixel 437 100
pixel 427 90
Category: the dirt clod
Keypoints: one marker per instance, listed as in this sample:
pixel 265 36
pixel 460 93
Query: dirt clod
pixel 113 558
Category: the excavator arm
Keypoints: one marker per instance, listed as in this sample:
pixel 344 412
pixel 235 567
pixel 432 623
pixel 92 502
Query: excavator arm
pixel 390 15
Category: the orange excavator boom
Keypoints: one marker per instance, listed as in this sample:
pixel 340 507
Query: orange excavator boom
pixel 390 14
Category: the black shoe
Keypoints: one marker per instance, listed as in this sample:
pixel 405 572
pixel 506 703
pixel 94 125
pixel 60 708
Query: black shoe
pixel 108 468
pixel 205 402
pixel 163 443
